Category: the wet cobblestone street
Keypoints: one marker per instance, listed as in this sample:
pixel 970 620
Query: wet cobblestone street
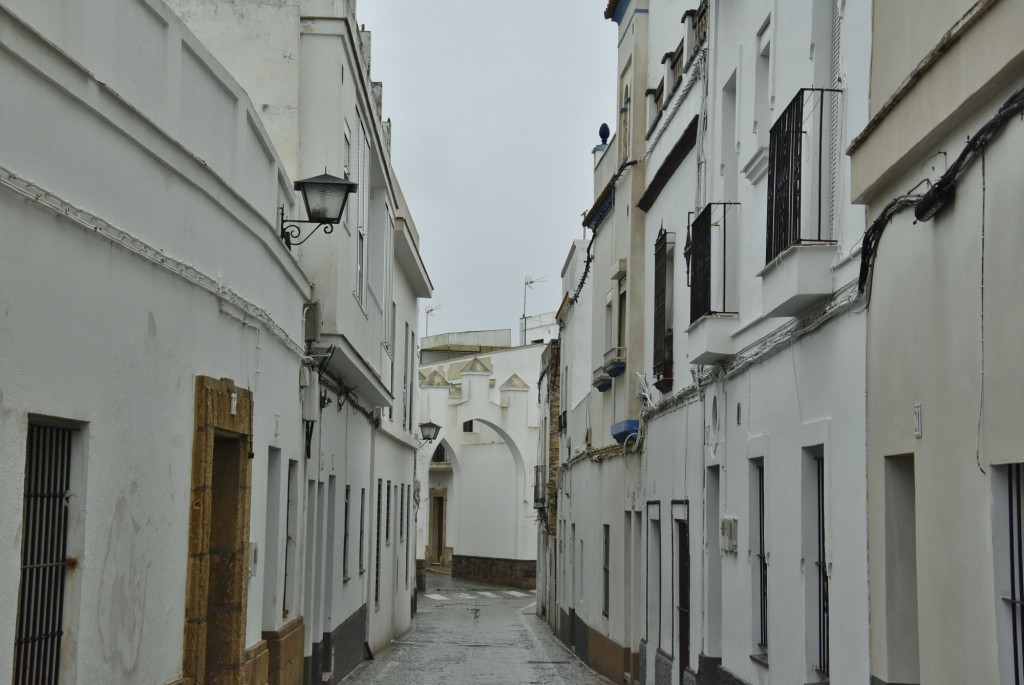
pixel 475 634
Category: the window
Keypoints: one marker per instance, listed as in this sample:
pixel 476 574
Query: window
pixel 761 562
pixel 709 278
pixel 44 555
pixel 796 177
pixel 467 426
pixel 362 529
pixel 291 537
pixel 389 312
pixel 360 258
pixel 621 328
pixel 683 603
pixel 408 533
pixel 387 519
pixel 606 555
pixel 440 455
pixel 344 545
pixel 624 125
pixel 663 286
pixel 762 103
pixel 1008 549
pixel 401 513
pixel 816 579
pixel 376 565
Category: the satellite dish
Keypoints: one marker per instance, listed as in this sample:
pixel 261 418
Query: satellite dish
pixel 604 132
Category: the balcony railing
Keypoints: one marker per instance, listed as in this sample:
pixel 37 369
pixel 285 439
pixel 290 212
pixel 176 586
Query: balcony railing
pixel 615 361
pixel 799 211
pixel 709 277
pixel 602 381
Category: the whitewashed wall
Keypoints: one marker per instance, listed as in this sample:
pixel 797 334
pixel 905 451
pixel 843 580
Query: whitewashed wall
pixel 140 251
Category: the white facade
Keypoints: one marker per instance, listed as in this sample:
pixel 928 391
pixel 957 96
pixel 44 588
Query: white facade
pixel 141 194
pixel 476 479
pixel 765 387
pixel 944 324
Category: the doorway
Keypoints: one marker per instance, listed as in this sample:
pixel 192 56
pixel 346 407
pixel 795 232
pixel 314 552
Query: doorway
pixel 437 526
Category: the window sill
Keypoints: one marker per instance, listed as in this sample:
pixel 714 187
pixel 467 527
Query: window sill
pixel 760 659
pixel 345 579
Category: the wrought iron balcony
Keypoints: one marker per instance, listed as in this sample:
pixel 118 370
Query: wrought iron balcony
pixel 802 155
pixel 709 261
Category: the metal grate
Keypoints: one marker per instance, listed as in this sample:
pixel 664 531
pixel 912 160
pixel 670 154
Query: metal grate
pixel 43 556
pixel 684 593
pixel 662 351
pixel 762 562
pixel 784 176
pixel 823 636
pixel 805 115
pixel 700 265
pixel 1016 598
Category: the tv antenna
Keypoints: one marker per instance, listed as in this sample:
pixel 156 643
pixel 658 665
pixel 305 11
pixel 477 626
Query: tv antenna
pixel 426 315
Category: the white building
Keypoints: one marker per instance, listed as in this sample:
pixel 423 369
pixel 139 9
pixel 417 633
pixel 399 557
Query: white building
pixel 477 478
pixel 744 507
pixel 236 508
pixel 938 167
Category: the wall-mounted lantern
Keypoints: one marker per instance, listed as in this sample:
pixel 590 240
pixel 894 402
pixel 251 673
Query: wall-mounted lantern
pixel 325 197
pixel 429 431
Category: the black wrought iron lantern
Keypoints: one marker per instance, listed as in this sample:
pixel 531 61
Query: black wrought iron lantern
pixel 324 197
pixel 429 431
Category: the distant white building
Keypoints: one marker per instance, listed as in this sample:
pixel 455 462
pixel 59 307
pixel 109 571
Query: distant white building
pixel 476 481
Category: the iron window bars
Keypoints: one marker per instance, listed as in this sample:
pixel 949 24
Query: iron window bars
pixel 700 262
pixel 823 631
pixel 662 327
pixel 1016 598
pixel 762 563
pixel 44 561
pixel 787 170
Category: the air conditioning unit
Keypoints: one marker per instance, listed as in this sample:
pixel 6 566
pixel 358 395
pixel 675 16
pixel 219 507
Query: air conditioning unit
pixel 728 534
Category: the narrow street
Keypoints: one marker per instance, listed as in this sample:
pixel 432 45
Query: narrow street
pixel 472 633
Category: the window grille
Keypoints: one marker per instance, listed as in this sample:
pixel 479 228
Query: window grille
pixel 662 350
pixel 43 556
pixel 387 518
pixel 789 174
pixel 684 593
pixel 762 563
pixel 408 503
pixel 344 546
pixel 823 632
pixel 376 565
pixel 1016 598
pixel 709 229
pixel 606 578
pixel 362 529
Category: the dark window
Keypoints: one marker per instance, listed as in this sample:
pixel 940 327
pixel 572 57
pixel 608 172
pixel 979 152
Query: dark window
pixel 762 560
pixel 362 529
pixel 467 426
pixel 684 593
pixel 823 643
pixel 607 555
pixel 1015 601
pixel 662 305
pixel 387 518
pixel 700 265
pixel 40 624
pixel 376 565
pixel 440 455
pixel 344 546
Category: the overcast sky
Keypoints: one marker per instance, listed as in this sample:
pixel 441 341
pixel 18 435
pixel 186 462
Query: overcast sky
pixel 495 107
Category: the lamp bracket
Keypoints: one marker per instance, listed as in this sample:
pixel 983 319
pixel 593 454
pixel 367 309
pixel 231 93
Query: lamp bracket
pixel 291 231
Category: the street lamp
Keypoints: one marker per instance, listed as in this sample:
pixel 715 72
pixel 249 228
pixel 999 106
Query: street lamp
pixel 429 431
pixel 325 197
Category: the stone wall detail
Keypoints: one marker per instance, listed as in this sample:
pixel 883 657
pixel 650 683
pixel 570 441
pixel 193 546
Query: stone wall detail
pixel 519 573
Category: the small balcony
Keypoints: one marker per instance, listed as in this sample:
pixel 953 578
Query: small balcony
pixel 799 250
pixel 615 361
pixel 709 339
pixel 623 429
pixel 602 381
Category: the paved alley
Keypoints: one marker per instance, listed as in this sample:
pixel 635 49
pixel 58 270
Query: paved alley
pixel 471 633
